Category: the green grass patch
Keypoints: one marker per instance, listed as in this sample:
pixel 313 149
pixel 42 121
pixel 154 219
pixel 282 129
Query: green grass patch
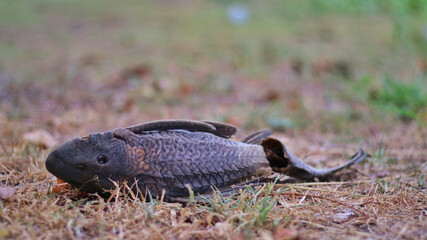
pixel 406 100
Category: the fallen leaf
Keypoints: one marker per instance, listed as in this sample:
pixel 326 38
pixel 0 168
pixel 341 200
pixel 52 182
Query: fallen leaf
pixel 41 137
pixel 342 217
pixel 61 187
pixel 6 192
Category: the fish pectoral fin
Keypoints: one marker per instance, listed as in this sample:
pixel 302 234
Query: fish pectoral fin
pixel 219 129
pixel 125 135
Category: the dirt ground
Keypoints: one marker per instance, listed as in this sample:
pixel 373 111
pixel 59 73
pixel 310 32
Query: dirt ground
pixel 328 78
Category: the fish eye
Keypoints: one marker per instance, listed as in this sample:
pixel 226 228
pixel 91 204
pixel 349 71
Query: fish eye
pixel 101 159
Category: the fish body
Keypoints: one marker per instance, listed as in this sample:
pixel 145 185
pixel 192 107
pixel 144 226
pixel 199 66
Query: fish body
pixel 166 158
pixel 157 160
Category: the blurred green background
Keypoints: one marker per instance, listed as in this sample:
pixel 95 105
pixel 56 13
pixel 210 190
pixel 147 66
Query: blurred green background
pixel 327 66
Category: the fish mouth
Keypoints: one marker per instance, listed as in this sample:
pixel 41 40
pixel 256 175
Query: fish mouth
pixel 55 164
pixel 58 165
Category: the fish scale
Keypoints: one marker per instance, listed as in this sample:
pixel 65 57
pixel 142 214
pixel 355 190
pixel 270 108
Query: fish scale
pixel 201 170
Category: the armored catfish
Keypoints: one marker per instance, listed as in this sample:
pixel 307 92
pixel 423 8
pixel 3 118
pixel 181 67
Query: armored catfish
pixel 170 155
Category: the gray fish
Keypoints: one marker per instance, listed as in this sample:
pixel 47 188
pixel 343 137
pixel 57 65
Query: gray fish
pixel 170 155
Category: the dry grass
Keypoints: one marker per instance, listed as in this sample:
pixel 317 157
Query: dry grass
pixel 391 203
pixel 70 69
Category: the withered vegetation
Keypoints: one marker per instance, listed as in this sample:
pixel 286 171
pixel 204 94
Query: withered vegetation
pixel 376 203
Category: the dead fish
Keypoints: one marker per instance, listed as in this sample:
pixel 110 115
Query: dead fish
pixel 170 155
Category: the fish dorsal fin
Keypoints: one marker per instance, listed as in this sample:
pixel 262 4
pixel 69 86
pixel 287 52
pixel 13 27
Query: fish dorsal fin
pixel 219 129
pixel 223 129
pixel 257 137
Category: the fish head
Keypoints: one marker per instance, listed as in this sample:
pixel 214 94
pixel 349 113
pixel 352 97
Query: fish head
pixel 92 163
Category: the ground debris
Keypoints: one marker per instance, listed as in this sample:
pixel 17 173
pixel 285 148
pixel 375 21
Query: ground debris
pixel 7 192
